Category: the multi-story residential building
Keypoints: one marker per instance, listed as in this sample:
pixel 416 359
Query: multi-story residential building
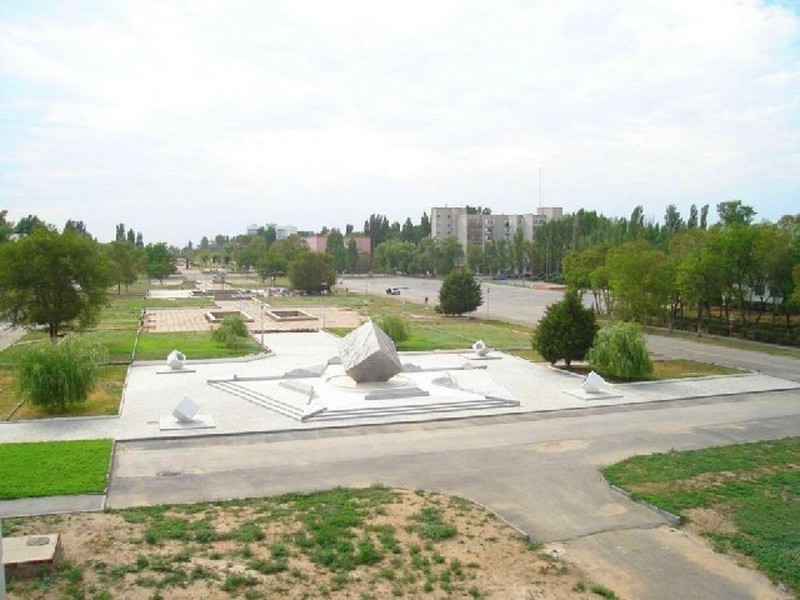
pixel 475 228
pixel 281 231
pixel 318 243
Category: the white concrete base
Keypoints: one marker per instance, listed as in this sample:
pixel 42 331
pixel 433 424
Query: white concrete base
pixel 170 423
pixel 176 371
pixel 589 396
pixel 476 356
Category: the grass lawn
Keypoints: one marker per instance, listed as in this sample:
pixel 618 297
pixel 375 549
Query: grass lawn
pixel 195 345
pixel 103 400
pixel 752 489
pixel 669 369
pixel 30 470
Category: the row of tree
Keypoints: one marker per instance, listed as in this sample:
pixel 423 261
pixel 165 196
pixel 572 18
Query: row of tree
pixel 51 278
pixel 728 276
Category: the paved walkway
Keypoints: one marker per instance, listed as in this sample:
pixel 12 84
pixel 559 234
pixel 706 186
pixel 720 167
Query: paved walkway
pixel 195 319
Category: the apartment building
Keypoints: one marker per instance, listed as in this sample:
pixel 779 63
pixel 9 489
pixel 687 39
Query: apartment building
pixel 473 228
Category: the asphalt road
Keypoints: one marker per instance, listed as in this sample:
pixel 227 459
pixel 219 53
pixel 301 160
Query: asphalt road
pixel 511 301
pixel 508 300
pixel 539 472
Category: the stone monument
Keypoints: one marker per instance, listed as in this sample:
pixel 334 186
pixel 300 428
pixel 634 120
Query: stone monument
pixel 176 360
pixel 480 348
pixel 594 383
pixel 369 355
pixel 186 410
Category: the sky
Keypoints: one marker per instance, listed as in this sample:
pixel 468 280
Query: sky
pixel 185 119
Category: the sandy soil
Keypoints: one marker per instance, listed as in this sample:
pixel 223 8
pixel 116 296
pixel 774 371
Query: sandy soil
pixel 112 555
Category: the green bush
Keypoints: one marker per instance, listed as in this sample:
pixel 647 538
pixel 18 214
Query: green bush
pixel 232 331
pixel 396 327
pixel 460 293
pixel 621 351
pixel 566 331
pixel 58 376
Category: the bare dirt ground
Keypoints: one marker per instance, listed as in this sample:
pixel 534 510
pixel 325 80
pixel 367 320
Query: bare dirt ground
pixel 410 544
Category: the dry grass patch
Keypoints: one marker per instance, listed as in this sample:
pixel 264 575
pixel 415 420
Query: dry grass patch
pixel 370 543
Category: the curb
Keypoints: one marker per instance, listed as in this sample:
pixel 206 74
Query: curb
pixel 674 520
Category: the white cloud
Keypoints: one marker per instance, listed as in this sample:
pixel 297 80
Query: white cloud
pixel 320 113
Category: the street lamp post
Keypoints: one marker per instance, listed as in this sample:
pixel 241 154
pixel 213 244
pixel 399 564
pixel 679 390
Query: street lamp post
pixel 262 325
pixel 487 302
pixel 2 566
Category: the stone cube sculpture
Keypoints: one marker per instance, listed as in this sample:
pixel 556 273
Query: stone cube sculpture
pixel 369 355
pixel 176 360
pixel 186 410
pixel 480 348
pixel 593 383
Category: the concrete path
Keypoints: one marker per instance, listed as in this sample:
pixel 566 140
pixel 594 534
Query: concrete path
pixel 9 334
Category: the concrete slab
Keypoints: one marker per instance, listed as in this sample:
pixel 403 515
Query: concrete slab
pixel 635 559
pixel 28 556
pixel 52 505
pixel 170 423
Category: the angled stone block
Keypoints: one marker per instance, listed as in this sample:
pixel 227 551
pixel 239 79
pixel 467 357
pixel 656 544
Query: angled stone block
pixel 368 354
pixel 594 383
pixel 186 410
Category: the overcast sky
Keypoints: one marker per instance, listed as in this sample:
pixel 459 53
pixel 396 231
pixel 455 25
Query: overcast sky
pixel 184 119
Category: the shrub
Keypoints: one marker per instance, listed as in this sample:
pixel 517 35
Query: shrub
pixel 566 331
pixel 58 376
pixel 621 351
pixel 396 327
pixel 232 331
pixel 460 293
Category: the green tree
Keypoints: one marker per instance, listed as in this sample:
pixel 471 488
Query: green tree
pixel 641 280
pixel 52 279
pixel 460 293
pixel 6 227
pixel 26 225
pixel 123 260
pixel 396 327
pixel 673 221
pixel 160 263
pixel 566 331
pixel 290 247
pixel 691 223
pixel 476 260
pixel 57 376
pixel 621 351
pixel 271 264
pixel 232 332
pixel 312 271
pixel 451 255
pixel 733 212
pixel 250 250
pixel 334 245
pixel 351 255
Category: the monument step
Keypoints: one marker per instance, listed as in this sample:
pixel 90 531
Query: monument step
pixel 411 409
pixel 283 408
